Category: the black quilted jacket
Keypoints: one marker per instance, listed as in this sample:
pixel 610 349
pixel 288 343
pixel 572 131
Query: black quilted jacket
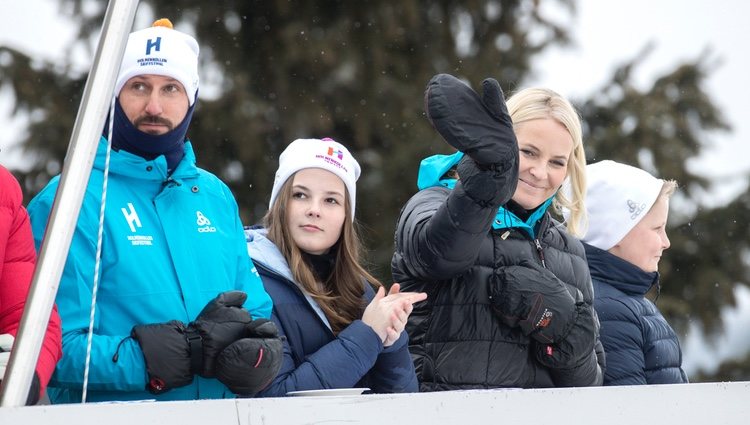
pixel 445 246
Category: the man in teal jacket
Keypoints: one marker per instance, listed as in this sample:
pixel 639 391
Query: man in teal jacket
pixel 175 281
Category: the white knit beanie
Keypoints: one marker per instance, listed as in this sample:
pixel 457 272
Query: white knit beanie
pixel 317 153
pixel 618 196
pixel 161 50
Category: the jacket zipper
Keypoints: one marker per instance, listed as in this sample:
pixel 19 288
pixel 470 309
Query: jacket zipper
pixel 540 251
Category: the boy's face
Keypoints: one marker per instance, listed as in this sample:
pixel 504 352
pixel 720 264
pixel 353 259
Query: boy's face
pixel 645 242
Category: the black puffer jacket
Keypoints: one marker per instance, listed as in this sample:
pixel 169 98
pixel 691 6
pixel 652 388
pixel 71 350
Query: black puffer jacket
pixel 447 247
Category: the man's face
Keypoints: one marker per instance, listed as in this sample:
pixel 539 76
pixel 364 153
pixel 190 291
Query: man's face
pixel 154 104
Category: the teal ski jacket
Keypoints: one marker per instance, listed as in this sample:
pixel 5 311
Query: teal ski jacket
pixel 170 245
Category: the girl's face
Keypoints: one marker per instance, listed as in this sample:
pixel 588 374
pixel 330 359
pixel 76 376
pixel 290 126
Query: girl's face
pixel 316 210
pixel 644 243
pixel 545 148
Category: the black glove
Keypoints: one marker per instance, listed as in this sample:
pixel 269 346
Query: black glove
pixel 221 322
pixel 576 347
pixel 249 365
pixel 487 187
pixel 479 127
pixel 530 296
pixel 173 354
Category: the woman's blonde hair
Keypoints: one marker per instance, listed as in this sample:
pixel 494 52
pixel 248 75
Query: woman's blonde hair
pixel 541 103
pixel 340 296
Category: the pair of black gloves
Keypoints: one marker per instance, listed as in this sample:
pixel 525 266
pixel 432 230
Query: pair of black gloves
pixel 223 343
pixel 561 323
pixel 528 296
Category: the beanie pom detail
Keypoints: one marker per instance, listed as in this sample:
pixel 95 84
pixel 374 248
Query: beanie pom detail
pixel 163 22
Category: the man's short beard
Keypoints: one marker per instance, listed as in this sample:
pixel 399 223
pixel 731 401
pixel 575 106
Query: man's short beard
pixel 148 119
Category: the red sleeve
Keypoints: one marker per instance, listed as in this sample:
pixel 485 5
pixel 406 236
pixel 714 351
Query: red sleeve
pixel 16 269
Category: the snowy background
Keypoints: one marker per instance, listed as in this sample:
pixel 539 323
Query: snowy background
pixel 606 33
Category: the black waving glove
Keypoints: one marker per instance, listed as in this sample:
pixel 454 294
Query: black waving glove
pixel 221 322
pixel 173 354
pixel 487 187
pixel 479 127
pixel 534 299
pixel 250 364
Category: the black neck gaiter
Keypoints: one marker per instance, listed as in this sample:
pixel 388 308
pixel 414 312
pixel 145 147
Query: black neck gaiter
pixel 148 146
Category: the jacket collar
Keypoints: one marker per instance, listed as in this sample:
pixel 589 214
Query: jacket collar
pixel 130 165
pixel 265 254
pixel 621 274
pixel 431 172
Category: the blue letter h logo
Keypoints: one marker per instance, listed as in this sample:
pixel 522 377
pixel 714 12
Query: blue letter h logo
pixel 155 44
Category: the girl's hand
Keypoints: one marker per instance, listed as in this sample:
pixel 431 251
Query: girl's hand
pixel 387 314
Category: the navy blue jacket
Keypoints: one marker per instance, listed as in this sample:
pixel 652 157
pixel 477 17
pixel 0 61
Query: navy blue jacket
pixel 313 357
pixel 640 345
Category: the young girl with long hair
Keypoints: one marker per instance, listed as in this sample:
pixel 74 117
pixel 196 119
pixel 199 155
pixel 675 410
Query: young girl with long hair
pixel 340 333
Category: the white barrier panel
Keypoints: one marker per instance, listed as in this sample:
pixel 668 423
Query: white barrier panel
pixel 707 403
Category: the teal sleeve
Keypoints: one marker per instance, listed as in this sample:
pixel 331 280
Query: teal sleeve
pixel 127 371
pixel 258 302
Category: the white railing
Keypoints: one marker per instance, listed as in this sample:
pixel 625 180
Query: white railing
pixel 684 404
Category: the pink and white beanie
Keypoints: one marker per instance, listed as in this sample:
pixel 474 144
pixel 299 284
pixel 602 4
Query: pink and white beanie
pixel 318 153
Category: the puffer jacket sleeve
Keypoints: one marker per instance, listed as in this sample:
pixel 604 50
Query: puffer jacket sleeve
pixel 128 373
pixel 339 364
pixel 16 269
pixel 356 353
pixel 439 231
pixel 623 342
pixel 394 370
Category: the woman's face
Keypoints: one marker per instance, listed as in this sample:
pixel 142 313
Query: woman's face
pixel 316 210
pixel 545 148
pixel 645 242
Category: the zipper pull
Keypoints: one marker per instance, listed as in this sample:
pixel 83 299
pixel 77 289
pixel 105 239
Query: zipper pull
pixel 540 251
pixel 170 182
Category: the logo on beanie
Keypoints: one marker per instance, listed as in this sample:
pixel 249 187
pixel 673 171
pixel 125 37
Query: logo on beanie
pixel 332 154
pixel 155 44
pixel 337 152
pixel 635 209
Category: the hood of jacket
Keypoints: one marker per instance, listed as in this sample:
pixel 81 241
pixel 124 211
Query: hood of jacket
pixel 620 274
pixel 266 255
pixel 432 171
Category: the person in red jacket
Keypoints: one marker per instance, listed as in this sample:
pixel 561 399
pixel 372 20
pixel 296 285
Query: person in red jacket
pixel 18 258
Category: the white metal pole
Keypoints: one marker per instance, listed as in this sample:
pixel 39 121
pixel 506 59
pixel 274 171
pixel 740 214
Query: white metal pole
pixel 97 95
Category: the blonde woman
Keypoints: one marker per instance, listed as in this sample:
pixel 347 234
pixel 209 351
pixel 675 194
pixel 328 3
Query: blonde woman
pixel 509 293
